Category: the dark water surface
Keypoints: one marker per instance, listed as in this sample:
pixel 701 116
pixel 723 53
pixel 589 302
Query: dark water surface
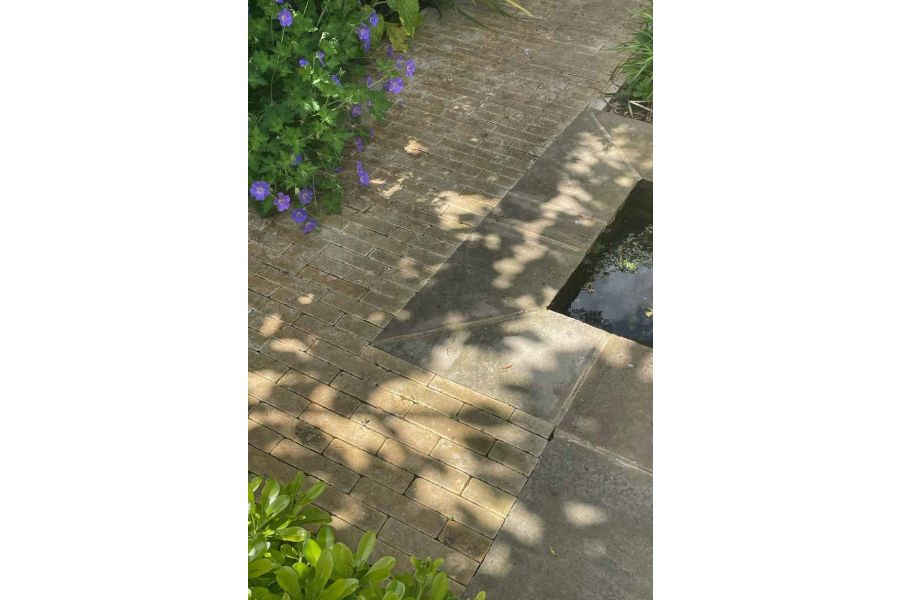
pixel 612 288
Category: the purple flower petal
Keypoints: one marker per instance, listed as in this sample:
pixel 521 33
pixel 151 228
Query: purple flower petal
pixel 259 190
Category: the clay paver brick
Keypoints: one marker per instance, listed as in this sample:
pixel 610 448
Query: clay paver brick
pixel 354 260
pixel 346 361
pixel 348 242
pixel 299 360
pixel 502 430
pixel 302 304
pixel 344 339
pixel 315 464
pixel 255 340
pixel 277 396
pixel 459 537
pixel 395 428
pixel 392 363
pixel 459 509
pixel 479 466
pixel 343 428
pixel 290 427
pixel 331 282
pixel 292 282
pixel 531 423
pixel 370 394
pixel 420 394
pixel 260 285
pixel 388 304
pixel 265 366
pixel 299 339
pixel 262 437
pixel 471 397
pixel 424 466
pixel 365 464
pixel 489 497
pixel 364 329
pixel 365 312
pixel 512 457
pixel 319 393
pixel 399 506
pixel 251 402
pixel 457 565
pixel 448 428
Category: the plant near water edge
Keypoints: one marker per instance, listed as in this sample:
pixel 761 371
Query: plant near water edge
pixel 637 68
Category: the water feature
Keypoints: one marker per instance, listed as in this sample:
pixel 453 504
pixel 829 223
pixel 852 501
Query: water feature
pixel 612 288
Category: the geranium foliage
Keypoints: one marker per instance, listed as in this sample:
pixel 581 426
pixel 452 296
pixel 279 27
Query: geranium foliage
pixel 315 89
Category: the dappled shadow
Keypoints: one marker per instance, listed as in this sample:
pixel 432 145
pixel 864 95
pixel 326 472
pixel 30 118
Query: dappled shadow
pixel 447 252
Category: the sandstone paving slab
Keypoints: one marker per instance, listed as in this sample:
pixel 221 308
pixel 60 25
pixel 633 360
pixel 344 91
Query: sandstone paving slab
pixel 581 529
pixel 613 409
pixel 634 139
pixel 533 361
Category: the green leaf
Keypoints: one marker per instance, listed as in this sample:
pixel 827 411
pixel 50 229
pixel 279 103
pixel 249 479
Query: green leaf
pixel 325 536
pixel 291 534
pixel 324 567
pixel 439 587
pixel 311 551
pixel 340 589
pixel 256 550
pixel 270 493
pixel 259 567
pixel 365 547
pixel 343 560
pixel 289 580
pixel 409 15
pixel 381 570
pixel 280 503
pixel 397 35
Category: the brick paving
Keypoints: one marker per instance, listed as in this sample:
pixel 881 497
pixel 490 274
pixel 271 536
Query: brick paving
pixel 432 466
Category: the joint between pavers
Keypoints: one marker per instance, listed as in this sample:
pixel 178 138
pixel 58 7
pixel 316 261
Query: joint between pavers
pixel 456 326
pixel 567 403
pixel 625 462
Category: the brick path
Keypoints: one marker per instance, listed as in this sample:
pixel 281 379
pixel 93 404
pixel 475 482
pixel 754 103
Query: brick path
pixel 430 465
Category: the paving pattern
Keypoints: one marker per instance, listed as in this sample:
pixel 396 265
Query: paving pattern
pixel 431 465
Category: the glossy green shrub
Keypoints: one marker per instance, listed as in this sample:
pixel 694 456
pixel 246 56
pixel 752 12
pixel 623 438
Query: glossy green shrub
pixel 286 562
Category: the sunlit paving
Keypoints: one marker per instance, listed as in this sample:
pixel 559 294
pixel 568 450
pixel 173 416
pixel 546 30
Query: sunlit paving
pixel 430 415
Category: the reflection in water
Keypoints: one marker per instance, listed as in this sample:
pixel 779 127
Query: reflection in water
pixel 613 286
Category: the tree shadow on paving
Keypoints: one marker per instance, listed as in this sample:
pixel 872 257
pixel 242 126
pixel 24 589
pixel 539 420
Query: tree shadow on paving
pixel 463 322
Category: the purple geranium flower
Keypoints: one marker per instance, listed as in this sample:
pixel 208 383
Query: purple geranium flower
pixel 285 18
pixel 336 80
pixel 310 225
pixel 279 1
pixel 363 176
pixel 390 50
pixel 298 158
pixel 306 196
pixel 410 68
pixel 259 190
pixel 282 202
pixel 357 141
pixel 367 45
pixel 299 215
pixel 369 81
pixel 399 62
pixel 303 63
pixel 356 110
pixel 363 33
pixel 339 169
pixel 394 85
pixel 321 56
pixel 373 19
